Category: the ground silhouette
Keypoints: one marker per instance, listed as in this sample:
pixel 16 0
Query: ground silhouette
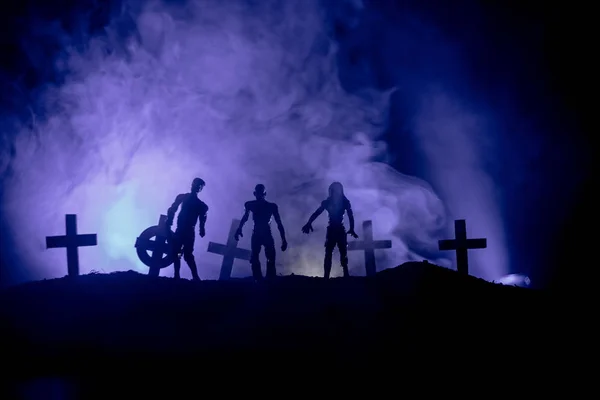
pixel 88 326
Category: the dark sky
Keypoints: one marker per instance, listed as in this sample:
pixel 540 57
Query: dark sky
pixel 531 64
pixel 524 56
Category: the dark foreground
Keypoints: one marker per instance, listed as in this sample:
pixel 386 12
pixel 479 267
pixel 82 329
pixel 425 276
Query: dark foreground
pixel 140 330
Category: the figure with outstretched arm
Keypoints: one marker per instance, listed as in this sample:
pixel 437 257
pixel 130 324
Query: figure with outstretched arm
pixel 262 212
pixel 336 205
pixel 182 241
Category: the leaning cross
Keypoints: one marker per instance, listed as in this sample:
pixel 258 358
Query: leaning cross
pixel 461 244
pixel 72 241
pixel 369 246
pixel 158 247
pixel 230 251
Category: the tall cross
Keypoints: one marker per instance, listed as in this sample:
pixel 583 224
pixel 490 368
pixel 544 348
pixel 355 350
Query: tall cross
pixel 229 251
pixel 72 241
pixel 369 246
pixel 461 244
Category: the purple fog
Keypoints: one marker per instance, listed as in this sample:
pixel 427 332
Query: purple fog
pixel 236 95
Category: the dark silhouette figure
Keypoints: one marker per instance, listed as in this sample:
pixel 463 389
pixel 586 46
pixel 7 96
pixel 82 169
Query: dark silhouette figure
pixel 182 241
pixel 262 211
pixel 336 204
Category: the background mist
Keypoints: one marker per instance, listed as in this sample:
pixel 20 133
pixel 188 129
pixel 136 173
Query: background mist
pixel 141 97
pixel 235 93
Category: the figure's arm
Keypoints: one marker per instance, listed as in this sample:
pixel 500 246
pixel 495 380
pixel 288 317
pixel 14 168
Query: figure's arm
pixel 238 233
pixel 173 209
pixel 245 216
pixel 308 227
pixel 350 219
pixel 202 219
pixel 279 223
pixel 314 215
pixel 350 215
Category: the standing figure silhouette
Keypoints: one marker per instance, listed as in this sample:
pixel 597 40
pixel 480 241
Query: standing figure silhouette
pixel 336 205
pixel 182 241
pixel 262 211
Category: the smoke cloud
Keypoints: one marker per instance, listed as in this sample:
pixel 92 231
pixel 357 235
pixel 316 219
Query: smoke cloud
pixel 451 124
pixel 454 141
pixel 235 93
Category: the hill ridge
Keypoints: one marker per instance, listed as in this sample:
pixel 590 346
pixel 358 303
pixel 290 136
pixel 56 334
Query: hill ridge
pixel 126 318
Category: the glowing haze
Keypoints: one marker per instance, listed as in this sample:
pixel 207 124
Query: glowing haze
pixel 237 95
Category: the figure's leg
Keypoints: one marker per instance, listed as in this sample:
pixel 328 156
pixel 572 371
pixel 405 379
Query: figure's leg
pixel 188 254
pixel 255 246
pixel 269 244
pixel 176 247
pixel 176 267
pixel 342 244
pixel 329 246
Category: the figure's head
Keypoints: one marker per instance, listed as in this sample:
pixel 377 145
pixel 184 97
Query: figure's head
pixel 336 190
pixel 197 185
pixel 260 191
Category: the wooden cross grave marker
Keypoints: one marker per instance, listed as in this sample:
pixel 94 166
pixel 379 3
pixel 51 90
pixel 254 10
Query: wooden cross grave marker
pixel 369 245
pixel 71 241
pixel 461 244
pixel 229 251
